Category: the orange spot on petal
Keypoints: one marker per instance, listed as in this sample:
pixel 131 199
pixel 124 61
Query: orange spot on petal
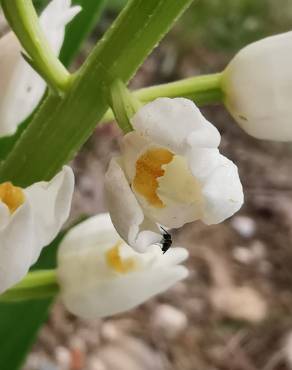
pixel 11 195
pixel 148 170
pixel 115 261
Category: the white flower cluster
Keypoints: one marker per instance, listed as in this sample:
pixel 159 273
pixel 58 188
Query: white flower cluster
pixel 170 172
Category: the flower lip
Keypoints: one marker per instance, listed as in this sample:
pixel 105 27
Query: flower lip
pixel 149 168
pixel 12 196
pixel 116 262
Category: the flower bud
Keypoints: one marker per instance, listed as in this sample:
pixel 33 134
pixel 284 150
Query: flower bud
pixel 258 88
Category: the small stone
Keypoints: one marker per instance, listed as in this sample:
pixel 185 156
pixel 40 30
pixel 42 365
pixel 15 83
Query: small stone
pixel 242 255
pixel 265 267
pixel 110 332
pixel 255 253
pixel 34 361
pixel 196 306
pixel 90 336
pixel 48 365
pixel 116 358
pixel 169 320
pixel 63 357
pixel 287 349
pixel 94 363
pixel 245 226
pixel 258 250
pixel 130 354
pixel 240 303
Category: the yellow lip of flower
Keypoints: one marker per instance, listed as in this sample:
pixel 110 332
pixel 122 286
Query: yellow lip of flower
pixel 115 261
pixel 148 170
pixel 12 196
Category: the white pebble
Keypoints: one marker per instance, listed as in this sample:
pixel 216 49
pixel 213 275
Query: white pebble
pixel 169 320
pixel 245 226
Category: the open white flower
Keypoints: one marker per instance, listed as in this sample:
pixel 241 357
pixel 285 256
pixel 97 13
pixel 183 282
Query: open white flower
pixel 170 172
pixel 30 219
pixel 258 88
pixel 100 275
pixel 21 87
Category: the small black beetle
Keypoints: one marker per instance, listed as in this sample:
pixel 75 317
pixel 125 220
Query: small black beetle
pixel 166 241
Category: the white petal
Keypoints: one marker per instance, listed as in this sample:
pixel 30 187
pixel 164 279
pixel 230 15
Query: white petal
pixel 126 213
pixel 133 145
pixel 203 162
pixel 175 124
pixel 54 19
pixel 33 225
pixel 4 215
pixel 21 87
pixel 50 205
pixel 128 292
pixel 220 184
pixel 105 298
pixel 90 289
pixel 17 244
pixel 258 88
pixel 14 100
pixel 95 231
pixel 175 255
pixel 223 194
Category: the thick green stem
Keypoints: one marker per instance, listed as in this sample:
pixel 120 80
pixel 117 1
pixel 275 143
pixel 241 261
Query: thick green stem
pixel 201 89
pixel 36 285
pixel 62 126
pixel 25 23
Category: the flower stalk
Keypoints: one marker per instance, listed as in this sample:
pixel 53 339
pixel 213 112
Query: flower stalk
pixel 202 90
pixel 124 105
pixel 36 285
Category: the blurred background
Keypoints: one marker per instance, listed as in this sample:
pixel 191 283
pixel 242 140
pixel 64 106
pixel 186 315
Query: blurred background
pixel 234 310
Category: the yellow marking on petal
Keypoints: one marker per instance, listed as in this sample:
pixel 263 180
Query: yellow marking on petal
pixel 148 170
pixel 115 261
pixel 11 195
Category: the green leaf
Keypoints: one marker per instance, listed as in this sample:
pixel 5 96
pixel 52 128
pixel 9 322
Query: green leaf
pixel 20 322
pixel 7 142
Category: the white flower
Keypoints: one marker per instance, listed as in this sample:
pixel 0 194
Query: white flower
pixel 21 87
pixel 170 172
pixel 258 88
pixel 100 275
pixel 30 219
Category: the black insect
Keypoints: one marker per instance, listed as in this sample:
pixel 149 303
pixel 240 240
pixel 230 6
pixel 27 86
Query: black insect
pixel 166 241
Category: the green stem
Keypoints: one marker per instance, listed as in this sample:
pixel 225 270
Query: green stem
pixel 201 89
pixel 36 285
pixel 62 126
pixel 24 21
pixel 124 105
